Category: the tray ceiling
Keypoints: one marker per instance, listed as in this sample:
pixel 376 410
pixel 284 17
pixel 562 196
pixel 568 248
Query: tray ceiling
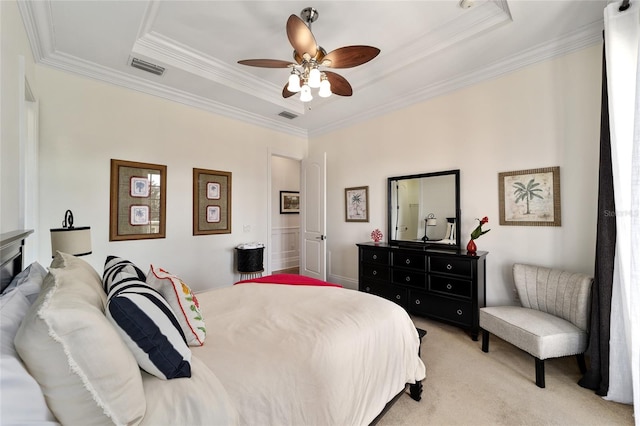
pixel 428 48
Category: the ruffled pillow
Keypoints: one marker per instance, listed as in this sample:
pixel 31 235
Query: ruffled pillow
pixel 83 367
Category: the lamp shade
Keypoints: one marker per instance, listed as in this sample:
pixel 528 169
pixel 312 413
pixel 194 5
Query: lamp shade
pixel 432 221
pixel 75 241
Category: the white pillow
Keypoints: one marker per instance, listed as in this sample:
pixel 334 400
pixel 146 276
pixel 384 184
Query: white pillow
pixel 21 401
pixel 86 372
pixel 183 302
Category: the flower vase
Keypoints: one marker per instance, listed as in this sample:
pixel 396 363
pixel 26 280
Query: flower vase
pixel 471 247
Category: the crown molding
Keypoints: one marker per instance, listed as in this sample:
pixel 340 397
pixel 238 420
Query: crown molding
pixel 88 69
pixel 39 28
pixel 37 20
pixel 159 48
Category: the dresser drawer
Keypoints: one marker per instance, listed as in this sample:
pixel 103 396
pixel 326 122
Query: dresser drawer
pixel 410 260
pixel 409 277
pixel 449 265
pixel 450 286
pixel 378 272
pixel 394 293
pixel 450 310
pixel 374 256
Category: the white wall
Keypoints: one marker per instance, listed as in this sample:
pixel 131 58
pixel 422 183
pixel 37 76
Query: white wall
pixel 15 61
pixel 544 115
pixel 85 123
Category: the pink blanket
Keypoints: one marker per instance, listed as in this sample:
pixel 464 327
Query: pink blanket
pixel 290 279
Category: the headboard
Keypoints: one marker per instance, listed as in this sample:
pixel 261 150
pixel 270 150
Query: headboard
pixel 11 248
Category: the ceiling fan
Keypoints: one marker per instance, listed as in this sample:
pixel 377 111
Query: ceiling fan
pixel 309 57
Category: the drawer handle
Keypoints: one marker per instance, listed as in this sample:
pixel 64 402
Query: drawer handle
pixel 459 312
pixel 407 279
pixel 417 301
pixel 408 261
pixel 449 267
pixel 368 289
pixel 449 286
pixel 398 296
pixel 374 272
pixel 375 256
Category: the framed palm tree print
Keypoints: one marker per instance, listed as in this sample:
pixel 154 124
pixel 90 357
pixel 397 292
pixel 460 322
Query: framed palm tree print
pixel 357 204
pixel 530 197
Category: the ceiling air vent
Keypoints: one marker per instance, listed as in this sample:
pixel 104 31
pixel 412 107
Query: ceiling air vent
pixel 287 114
pixel 147 66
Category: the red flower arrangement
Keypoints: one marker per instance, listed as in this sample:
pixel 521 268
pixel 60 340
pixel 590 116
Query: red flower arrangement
pixel 471 247
pixel 376 235
pixel 478 231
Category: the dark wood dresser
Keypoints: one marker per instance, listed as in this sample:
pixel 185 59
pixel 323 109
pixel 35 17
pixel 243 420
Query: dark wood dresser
pixel 446 285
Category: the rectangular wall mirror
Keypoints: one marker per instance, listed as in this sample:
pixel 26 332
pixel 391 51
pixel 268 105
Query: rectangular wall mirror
pixel 424 209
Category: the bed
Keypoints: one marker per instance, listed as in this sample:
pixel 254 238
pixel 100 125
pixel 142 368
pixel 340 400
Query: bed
pixel 259 353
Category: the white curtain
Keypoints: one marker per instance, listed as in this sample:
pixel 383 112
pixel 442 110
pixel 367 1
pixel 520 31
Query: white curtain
pixel 622 41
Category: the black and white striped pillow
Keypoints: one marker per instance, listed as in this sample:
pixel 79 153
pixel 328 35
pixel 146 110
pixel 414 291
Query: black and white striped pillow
pixel 149 327
pixel 113 266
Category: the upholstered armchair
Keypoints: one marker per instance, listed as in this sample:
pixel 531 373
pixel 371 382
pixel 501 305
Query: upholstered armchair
pixel 552 321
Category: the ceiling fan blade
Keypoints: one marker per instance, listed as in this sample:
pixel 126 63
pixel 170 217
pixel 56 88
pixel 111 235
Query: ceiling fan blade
pixel 339 84
pixel 350 56
pixel 266 63
pixel 301 37
pixel 286 93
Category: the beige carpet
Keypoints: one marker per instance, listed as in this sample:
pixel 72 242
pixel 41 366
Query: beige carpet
pixel 465 386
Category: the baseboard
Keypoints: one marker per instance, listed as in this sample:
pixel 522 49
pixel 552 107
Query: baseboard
pixel 344 281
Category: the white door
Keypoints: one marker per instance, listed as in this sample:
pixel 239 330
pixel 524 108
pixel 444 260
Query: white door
pixel 313 197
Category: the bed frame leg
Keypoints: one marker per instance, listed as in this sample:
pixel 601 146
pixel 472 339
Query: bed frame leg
pixel 415 390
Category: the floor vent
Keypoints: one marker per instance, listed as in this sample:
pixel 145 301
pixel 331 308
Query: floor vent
pixel 147 66
pixel 287 114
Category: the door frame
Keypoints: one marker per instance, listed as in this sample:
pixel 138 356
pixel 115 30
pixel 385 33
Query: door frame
pixel 268 249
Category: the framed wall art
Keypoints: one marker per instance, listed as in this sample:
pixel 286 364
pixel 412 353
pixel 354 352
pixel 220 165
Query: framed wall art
pixel 357 204
pixel 138 200
pixel 530 197
pixel 211 202
pixel 289 202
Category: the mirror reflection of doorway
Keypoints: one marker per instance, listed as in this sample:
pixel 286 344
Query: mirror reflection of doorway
pixel 285 228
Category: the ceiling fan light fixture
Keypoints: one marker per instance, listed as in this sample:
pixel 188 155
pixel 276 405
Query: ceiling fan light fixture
pixel 325 88
pixel 308 56
pixel 294 83
pixel 314 77
pixel 305 93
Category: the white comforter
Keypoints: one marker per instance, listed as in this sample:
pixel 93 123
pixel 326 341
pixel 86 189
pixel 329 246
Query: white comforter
pixel 306 355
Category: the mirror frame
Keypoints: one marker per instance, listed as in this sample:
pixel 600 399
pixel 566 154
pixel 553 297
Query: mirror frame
pixel 424 244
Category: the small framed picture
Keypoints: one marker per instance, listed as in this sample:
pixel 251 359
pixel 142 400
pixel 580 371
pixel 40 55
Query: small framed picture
pixel 211 218
pixel 139 215
pixel 139 187
pixel 138 200
pixel 530 197
pixel 213 214
pixel 357 204
pixel 289 202
pixel 213 190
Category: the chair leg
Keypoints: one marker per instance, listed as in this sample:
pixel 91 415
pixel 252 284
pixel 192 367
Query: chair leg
pixel 540 372
pixel 485 341
pixel 582 365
